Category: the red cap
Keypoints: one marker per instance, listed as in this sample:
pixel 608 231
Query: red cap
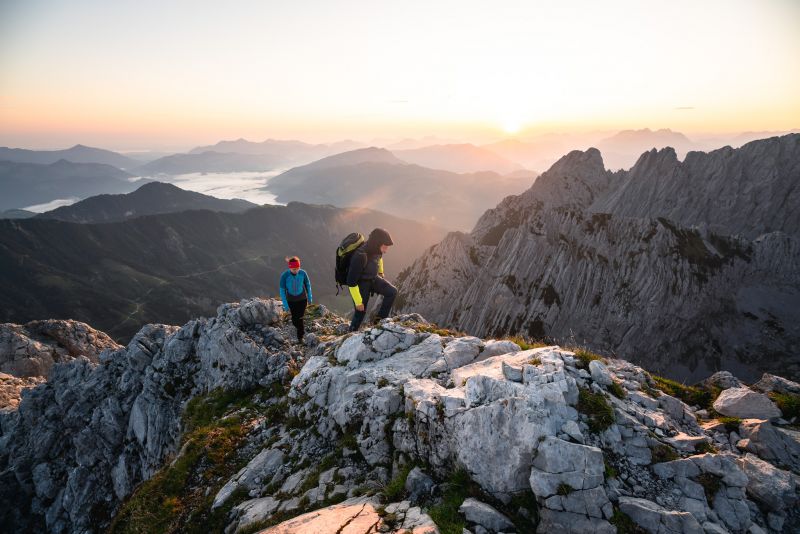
pixel 294 264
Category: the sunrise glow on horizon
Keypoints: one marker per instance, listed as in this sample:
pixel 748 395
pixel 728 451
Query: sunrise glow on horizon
pixel 148 75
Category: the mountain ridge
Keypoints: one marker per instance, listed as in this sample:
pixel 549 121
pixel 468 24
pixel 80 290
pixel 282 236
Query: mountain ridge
pixel 537 254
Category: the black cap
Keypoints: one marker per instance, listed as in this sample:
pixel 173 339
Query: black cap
pixel 379 236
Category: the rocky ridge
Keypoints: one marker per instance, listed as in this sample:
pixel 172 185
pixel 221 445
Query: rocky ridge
pixel 32 349
pixel 402 427
pixel 656 264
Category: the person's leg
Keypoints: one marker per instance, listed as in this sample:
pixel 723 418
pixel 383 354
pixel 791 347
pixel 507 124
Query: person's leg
pixel 358 316
pixel 298 308
pixel 301 325
pixel 388 292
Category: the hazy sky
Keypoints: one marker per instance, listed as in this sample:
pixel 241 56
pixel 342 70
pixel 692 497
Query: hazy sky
pixel 147 74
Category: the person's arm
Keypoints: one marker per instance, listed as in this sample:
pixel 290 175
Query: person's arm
pixel 283 292
pixel 356 294
pixel 307 282
pixel 357 263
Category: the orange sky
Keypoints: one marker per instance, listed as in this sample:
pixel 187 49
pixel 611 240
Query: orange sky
pixel 136 75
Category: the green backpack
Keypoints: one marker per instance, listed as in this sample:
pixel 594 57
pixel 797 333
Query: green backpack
pixel 344 253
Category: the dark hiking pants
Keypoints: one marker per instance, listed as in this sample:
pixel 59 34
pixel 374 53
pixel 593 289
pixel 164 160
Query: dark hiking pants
pixel 298 309
pixel 379 286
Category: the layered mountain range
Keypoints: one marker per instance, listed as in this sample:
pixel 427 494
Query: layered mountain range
pixel 150 199
pixel 686 267
pixel 27 184
pixel 174 266
pixel 377 179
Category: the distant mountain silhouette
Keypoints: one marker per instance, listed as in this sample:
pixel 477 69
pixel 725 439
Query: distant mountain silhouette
pixel 27 184
pixel 17 214
pixel 76 154
pixel 150 199
pixel 374 178
pixel 541 152
pixel 171 267
pixel 352 157
pixel 458 158
pixel 209 162
pixel 621 150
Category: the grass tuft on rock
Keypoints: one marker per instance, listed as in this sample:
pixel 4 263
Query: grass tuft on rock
pixel 731 423
pixel 175 499
pixel 585 357
pixel 711 485
pixel 704 447
pixel 396 488
pixel 617 390
pixel 595 406
pixel 663 453
pixel 564 489
pixel 788 403
pixel 526 344
pixel 624 524
pixel 692 395
pixel 445 514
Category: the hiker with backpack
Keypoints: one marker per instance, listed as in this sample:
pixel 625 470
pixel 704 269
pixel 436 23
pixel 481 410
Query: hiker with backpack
pixel 364 277
pixel 295 289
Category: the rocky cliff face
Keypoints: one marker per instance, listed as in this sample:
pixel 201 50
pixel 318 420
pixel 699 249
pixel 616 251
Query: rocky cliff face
pixel 30 350
pixel 609 260
pixel 80 443
pixel 402 427
pixel 747 191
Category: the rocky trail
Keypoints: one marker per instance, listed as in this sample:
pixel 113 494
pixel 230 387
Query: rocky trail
pixel 224 425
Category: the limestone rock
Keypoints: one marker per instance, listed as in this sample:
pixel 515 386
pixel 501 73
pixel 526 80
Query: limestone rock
pixel 418 485
pixel 559 462
pixel 771 443
pixel 654 518
pixel 769 383
pixel 252 511
pixel 484 515
pixel 32 349
pixel 744 403
pixel 723 380
pixel 769 485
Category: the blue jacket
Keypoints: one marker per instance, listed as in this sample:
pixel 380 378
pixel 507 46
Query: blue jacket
pixel 293 285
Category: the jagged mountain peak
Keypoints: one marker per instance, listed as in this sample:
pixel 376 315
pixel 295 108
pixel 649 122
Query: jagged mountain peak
pixel 656 160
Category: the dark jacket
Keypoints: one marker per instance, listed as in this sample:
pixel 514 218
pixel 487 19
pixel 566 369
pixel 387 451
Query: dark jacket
pixel 365 264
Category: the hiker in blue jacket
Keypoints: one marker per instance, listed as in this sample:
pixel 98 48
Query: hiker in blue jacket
pixel 296 293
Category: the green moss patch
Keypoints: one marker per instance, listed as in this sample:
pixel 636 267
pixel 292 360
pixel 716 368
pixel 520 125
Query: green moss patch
pixel 596 407
pixel 788 403
pixel 731 423
pixel 625 524
pixel 617 390
pixel 692 395
pixel 174 499
pixel 663 453
pixel 585 357
pixel 711 485
pixel 526 344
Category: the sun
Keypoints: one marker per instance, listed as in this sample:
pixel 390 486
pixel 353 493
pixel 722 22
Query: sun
pixel 511 126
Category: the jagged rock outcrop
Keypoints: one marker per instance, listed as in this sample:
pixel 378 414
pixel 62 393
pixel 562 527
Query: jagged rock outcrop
pixel 11 388
pixel 680 300
pixel 28 352
pixel 81 442
pixel 748 191
pixel 32 349
pixel 580 443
